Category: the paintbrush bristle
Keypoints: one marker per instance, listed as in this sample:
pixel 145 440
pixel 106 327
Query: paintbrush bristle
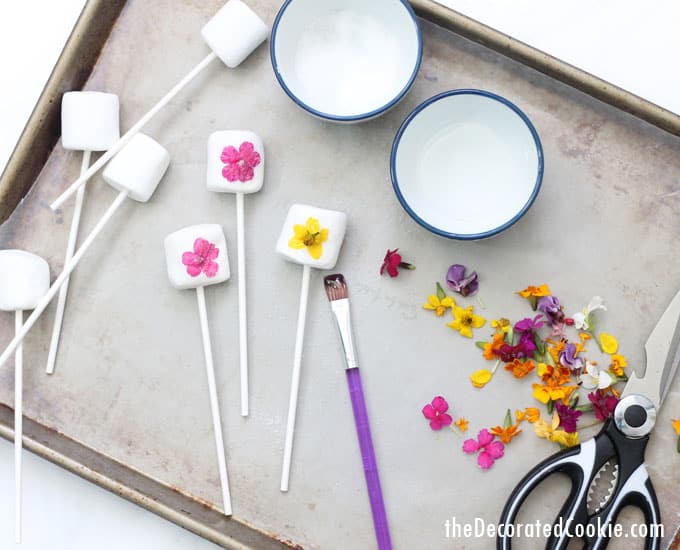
pixel 336 287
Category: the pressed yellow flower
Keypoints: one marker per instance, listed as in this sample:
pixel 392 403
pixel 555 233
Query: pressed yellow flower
pixel 465 320
pixel 501 325
pixel 676 426
pixel 530 414
pixel 537 291
pixel 608 343
pixel 437 305
pixel 309 236
pixel 462 423
pixel 566 439
pixel 545 430
pixel 480 378
pixel 618 364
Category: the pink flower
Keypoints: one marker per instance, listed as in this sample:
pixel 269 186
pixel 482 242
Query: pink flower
pixel 201 260
pixel 239 164
pixel 436 413
pixel 490 450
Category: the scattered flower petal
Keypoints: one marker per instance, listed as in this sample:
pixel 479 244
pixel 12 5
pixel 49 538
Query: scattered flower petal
pixel 480 378
pixel 458 282
pixel 608 343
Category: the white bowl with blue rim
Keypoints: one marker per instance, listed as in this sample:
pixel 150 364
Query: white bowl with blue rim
pixel 346 60
pixel 466 164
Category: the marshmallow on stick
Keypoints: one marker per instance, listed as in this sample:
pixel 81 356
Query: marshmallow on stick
pixel 236 165
pixel 311 237
pixel 89 122
pixel 232 34
pixel 136 172
pixel 197 257
pixel 24 280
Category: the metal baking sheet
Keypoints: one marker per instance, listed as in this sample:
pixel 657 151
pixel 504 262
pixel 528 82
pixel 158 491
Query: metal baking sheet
pixel 127 406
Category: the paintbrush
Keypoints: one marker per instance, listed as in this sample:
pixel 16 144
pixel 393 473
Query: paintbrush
pixel 336 289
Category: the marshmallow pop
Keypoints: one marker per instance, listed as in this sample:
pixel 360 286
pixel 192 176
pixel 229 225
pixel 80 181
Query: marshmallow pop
pixel 236 165
pixel 89 122
pixel 232 34
pixel 196 257
pixel 311 237
pixel 135 172
pixel 24 280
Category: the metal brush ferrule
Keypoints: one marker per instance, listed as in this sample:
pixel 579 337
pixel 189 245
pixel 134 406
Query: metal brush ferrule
pixel 340 309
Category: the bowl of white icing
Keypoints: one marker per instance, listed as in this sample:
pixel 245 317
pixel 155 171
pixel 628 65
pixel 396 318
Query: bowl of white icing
pixel 466 164
pixel 346 60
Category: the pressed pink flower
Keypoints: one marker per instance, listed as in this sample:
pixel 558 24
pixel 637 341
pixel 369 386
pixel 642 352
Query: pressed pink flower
pixel 201 260
pixel 239 163
pixel 435 412
pixel 490 450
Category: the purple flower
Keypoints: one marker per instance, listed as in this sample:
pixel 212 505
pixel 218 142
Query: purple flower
pixel 458 282
pixel 568 416
pixel 524 348
pixel 550 305
pixel 603 405
pixel 529 325
pixel 568 359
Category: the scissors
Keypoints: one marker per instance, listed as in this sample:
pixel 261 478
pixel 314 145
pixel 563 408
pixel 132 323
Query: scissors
pixel 619 448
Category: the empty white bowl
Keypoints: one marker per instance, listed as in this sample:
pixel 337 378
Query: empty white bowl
pixel 466 164
pixel 346 60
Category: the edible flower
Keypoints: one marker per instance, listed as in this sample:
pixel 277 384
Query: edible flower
pixel 392 262
pixel 520 368
pixel 676 427
pixel 524 348
pixel 435 412
pixel 201 259
pixel 551 307
pixel 529 325
pixel 533 293
pixel 554 386
pixel 509 430
pixel 617 365
pixel 568 358
pixel 568 417
pixel 465 320
pixel 439 302
pixel 490 450
pixel 530 414
pixel 239 163
pixel 552 433
pixel 583 320
pixel 309 236
pixel 491 349
pixel 501 325
pixel 481 378
pixel 608 343
pixel 595 378
pixel 462 424
pixel 458 282
pixel 603 404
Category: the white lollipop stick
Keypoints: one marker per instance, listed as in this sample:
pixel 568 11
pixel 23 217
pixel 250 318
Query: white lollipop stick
pixel 233 33
pixel 63 277
pixel 18 425
pixel 70 249
pixel 214 405
pixel 196 256
pixel 295 383
pixel 312 237
pixel 242 304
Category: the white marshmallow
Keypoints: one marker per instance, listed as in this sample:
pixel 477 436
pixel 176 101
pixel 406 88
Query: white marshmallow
pixel 235 162
pixel 89 121
pixel 138 168
pixel 336 224
pixel 24 280
pixel 234 32
pixel 192 262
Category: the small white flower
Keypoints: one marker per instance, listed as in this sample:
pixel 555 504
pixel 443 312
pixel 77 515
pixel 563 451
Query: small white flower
pixel 595 378
pixel 582 319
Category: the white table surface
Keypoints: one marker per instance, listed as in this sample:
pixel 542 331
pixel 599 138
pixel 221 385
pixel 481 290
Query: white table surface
pixel 612 38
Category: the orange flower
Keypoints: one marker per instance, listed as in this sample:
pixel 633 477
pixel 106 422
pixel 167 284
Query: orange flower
pixel 490 348
pixel 554 386
pixel 462 423
pixel 618 364
pixel 676 426
pixel 530 414
pixel 554 348
pixel 584 336
pixel 537 291
pixel 520 368
pixel 506 434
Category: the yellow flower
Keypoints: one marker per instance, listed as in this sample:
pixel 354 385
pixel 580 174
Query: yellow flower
pixel 537 291
pixel 437 305
pixel 480 378
pixel 462 423
pixel 530 414
pixel 309 236
pixel 465 320
pixel 618 364
pixel 545 430
pixel 501 325
pixel 676 426
pixel 541 369
pixel 552 393
pixel 565 439
pixel 608 343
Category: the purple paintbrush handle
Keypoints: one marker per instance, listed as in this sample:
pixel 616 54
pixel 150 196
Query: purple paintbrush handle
pixel 356 392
